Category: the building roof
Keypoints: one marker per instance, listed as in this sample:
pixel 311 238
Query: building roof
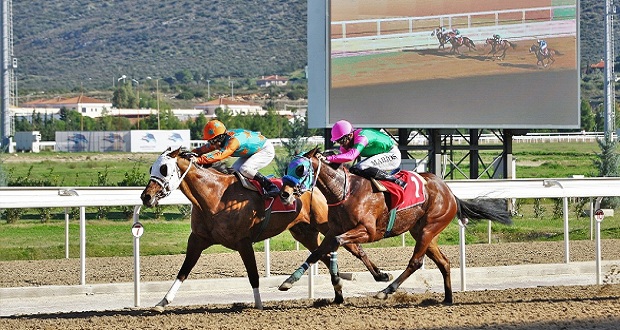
pixel 599 65
pixel 59 100
pixel 226 102
pixel 273 78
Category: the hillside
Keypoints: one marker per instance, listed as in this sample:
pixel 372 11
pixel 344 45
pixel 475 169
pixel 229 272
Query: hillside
pixel 63 44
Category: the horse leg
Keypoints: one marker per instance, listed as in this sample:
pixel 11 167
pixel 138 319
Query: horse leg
pixel 328 245
pixel 442 262
pixel 195 246
pixel 359 253
pixel 308 236
pixel 245 249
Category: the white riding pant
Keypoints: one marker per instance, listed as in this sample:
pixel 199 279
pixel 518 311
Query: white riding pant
pixel 249 166
pixel 388 161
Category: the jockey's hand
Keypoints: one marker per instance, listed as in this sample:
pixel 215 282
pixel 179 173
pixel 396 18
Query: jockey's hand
pixel 322 158
pixel 188 155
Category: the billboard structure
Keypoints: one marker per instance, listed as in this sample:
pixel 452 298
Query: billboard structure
pixel 380 63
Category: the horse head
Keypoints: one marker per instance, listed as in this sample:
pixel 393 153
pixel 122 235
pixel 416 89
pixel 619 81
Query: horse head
pixel 165 177
pixel 312 169
pixel 299 176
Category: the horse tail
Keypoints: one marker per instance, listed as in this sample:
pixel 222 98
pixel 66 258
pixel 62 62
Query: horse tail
pixel 481 208
pixel 512 44
pixel 557 52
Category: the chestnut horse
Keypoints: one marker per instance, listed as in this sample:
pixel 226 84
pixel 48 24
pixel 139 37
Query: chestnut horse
pixel 225 212
pixel 549 56
pixel 358 213
pixel 441 37
pixel 457 42
pixel 499 46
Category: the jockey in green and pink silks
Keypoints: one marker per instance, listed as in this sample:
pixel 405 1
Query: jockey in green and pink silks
pixel 380 153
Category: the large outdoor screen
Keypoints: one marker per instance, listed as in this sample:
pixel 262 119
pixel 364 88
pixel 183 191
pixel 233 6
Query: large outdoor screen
pixel 443 63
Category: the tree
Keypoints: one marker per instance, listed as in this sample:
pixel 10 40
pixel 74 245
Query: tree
pixel 588 123
pixel 295 144
pixel 608 162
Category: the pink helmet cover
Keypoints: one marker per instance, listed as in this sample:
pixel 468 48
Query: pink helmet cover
pixel 340 129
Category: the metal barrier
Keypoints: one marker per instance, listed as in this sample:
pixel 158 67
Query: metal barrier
pixel 43 197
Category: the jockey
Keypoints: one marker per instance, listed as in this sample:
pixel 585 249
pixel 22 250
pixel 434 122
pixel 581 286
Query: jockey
pixel 253 150
pixel 497 38
pixel 380 153
pixel 542 44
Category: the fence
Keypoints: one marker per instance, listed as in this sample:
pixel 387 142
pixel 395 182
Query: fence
pixel 464 189
pixel 385 34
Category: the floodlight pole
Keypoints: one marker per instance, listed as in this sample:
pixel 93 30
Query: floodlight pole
pixel 609 70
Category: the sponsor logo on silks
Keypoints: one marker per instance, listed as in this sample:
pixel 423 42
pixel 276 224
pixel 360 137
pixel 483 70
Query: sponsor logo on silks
pixel 114 137
pixel 386 158
pixel 176 137
pixel 149 138
pixel 78 138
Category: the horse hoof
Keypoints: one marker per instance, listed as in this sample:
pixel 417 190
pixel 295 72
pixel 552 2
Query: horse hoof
pixel 381 295
pixel 339 299
pixel 384 277
pixel 285 286
pixel 158 309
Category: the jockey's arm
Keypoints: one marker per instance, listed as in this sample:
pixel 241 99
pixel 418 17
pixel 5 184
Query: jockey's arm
pixel 219 154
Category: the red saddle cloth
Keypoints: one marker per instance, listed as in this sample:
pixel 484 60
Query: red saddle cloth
pixel 412 195
pixel 275 204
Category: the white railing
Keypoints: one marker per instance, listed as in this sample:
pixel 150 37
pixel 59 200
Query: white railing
pixel 384 34
pixel 47 197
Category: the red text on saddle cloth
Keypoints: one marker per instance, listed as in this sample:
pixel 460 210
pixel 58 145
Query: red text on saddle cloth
pixel 412 195
pixel 275 203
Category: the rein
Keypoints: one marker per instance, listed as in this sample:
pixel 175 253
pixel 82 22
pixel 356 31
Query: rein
pixel 346 191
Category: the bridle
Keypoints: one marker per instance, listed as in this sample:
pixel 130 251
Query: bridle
pixel 168 181
pixel 307 180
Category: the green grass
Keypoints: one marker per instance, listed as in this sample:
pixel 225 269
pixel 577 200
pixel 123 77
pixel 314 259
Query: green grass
pixel 31 240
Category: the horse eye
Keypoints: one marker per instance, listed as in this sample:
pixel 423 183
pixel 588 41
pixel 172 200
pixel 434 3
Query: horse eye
pixel 163 170
pixel 300 171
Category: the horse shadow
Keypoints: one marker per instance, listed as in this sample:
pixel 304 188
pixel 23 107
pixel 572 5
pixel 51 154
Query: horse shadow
pixel 519 66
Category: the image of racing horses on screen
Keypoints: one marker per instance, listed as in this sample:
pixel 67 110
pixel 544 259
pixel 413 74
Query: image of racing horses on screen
pixel 232 213
pixel 441 37
pixel 360 213
pixel 545 56
pixel 499 46
pixel 459 41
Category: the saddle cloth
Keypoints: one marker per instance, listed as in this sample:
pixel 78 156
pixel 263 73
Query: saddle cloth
pixel 412 195
pixel 275 204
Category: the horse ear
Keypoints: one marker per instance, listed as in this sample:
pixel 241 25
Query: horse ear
pixel 312 152
pixel 174 153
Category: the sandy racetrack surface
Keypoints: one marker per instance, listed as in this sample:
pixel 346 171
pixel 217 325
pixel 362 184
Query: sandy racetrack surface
pixel 561 307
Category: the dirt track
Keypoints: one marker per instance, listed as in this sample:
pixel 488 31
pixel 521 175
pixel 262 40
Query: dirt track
pixel 578 307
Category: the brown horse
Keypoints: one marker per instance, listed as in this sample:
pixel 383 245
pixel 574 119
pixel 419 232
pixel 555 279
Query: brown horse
pixel 549 56
pixel 225 212
pixel 499 46
pixel 358 213
pixel 441 37
pixel 457 42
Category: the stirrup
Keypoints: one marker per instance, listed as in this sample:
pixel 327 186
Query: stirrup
pixel 271 193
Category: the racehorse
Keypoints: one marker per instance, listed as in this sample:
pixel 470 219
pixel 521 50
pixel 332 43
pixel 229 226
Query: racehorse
pixel 225 212
pixel 441 37
pixel 457 42
pixel 499 46
pixel 358 213
pixel 540 57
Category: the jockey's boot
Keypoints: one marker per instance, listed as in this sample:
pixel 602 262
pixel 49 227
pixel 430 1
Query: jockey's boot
pixel 271 190
pixel 378 174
